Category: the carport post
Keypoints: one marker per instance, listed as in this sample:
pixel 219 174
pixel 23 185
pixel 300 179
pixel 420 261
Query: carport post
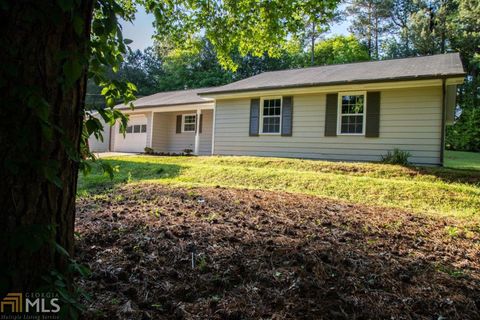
pixel 197 132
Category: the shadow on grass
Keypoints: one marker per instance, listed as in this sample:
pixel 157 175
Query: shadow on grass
pixel 450 175
pixel 128 171
pixel 265 255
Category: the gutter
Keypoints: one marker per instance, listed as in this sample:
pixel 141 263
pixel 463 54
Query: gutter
pixel 326 84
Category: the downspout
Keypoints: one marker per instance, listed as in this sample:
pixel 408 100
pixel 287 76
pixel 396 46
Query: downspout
pixel 444 113
pixel 213 127
pixel 196 150
pixel 152 117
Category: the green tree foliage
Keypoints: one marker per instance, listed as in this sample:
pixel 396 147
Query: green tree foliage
pixel 429 28
pixel 241 26
pixel 316 26
pixel 340 49
pixel 370 22
pixel 463 31
pixel 196 66
pixel 400 13
pixel 291 56
pixel 465 134
pixel 465 38
pixel 144 69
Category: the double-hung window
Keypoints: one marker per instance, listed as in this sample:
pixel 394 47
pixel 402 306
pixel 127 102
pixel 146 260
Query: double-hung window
pixel 271 115
pixel 189 122
pixel 351 119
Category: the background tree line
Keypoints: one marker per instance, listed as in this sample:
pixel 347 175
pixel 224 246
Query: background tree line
pixel 379 30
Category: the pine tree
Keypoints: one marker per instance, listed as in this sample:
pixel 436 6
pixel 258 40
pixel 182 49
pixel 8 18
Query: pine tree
pixel 370 22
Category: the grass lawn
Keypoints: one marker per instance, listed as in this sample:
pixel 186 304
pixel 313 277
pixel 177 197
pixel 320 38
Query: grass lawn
pixel 437 191
pixel 462 160
pixel 188 237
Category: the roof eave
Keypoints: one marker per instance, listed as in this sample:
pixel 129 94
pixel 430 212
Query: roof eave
pixel 334 83
pixel 123 107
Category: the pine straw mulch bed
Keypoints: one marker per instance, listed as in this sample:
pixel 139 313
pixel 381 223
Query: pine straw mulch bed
pixel 270 255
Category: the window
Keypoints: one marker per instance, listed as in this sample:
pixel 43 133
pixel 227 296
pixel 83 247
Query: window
pixel 351 113
pixel 135 129
pixel 188 122
pixel 271 115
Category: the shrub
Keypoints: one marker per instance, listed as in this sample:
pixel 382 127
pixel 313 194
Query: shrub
pixel 148 150
pixel 397 157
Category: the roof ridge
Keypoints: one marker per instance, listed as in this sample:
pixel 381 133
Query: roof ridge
pixel 356 62
pixel 180 90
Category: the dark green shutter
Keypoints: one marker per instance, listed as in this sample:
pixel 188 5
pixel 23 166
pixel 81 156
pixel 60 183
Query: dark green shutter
pixel 331 110
pixel 254 117
pixel 287 116
pixel 179 123
pixel 200 126
pixel 372 129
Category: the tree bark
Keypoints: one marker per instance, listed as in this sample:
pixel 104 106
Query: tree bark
pixel 369 28
pixel 312 62
pixel 40 119
pixel 376 31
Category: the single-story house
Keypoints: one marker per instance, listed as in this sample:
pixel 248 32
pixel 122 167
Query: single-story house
pixel 350 112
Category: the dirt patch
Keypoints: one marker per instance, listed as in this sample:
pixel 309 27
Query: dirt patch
pixel 270 255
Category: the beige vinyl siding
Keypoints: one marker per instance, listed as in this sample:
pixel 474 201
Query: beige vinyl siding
pixel 206 135
pixel 410 119
pixel 149 116
pixel 160 139
pixel 165 138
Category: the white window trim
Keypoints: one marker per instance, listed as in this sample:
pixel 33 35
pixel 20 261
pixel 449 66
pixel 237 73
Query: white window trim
pixel 339 112
pixel 261 116
pixel 194 124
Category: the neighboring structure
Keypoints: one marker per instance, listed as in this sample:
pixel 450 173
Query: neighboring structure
pixel 356 111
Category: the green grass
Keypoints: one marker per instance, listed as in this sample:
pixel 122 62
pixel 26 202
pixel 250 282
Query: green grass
pixel 462 160
pixel 437 191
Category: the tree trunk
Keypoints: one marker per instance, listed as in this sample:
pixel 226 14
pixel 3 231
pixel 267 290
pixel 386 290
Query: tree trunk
pixel 376 37
pixel 313 44
pixel 369 28
pixel 407 43
pixel 40 120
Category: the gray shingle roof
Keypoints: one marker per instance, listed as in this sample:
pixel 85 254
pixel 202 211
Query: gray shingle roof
pixel 169 98
pixel 427 67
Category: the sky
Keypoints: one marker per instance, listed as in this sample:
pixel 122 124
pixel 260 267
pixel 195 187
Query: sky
pixel 142 30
